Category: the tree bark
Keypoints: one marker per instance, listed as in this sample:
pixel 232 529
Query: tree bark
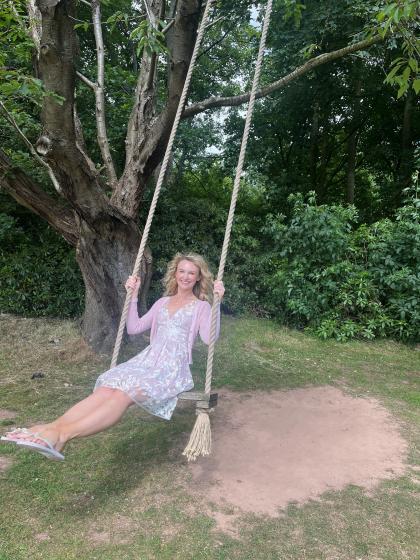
pixel 106 238
pixel 406 160
pixel 27 193
pixel 352 143
pixel 99 90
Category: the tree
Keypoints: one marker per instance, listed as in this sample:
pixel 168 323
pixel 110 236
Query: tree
pixel 95 207
pixel 338 129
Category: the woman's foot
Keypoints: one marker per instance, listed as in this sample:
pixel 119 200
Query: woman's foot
pixel 45 432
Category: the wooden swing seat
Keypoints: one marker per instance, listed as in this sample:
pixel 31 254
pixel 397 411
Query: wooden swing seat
pixel 203 400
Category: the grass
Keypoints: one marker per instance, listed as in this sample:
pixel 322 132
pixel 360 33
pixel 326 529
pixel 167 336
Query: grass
pixel 124 494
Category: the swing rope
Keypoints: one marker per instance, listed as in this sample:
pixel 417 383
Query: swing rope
pixel 200 439
pixel 161 177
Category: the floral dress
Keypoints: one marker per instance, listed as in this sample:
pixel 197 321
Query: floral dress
pixel 155 377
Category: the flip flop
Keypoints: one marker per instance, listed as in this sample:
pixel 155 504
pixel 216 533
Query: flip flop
pixel 9 439
pixel 47 450
pixel 15 431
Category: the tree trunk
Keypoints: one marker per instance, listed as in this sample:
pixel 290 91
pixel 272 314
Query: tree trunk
pixel 322 165
pixel 106 259
pixel 107 239
pixel 406 160
pixel 314 152
pixel 352 144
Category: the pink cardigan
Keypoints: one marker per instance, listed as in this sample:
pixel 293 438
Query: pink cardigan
pixel 200 324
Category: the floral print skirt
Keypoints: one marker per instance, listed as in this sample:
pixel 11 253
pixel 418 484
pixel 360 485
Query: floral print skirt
pixel 155 377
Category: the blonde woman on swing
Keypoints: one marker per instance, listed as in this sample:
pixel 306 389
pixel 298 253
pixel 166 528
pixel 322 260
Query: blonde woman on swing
pixel 152 379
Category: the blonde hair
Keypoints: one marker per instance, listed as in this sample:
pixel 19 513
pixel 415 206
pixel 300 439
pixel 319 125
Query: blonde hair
pixel 203 289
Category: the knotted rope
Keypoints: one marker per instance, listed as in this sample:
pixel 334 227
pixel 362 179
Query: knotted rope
pixel 161 177
pixel 200 439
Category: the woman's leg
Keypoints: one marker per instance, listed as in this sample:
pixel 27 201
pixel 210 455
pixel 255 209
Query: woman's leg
pixel 103 417
pixel 86 406
pixel 100 415
pixel 79 410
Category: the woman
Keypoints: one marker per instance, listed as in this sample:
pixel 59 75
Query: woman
pixel 153 378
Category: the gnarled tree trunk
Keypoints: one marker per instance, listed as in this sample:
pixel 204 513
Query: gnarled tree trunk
pixel 105 228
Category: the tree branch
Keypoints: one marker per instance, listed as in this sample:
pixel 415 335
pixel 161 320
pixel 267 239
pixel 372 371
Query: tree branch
pixel 168 26
pixel 148 133
pixel 81 185
pixel 11 120
pixel 220 40
pixel 34 24
pixel 86 80
pixel 150 15
pixel 236 100
pixel 27 193
pixel 100 96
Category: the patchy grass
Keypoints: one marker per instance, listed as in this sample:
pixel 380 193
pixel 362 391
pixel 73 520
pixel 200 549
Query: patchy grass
pixel 125 494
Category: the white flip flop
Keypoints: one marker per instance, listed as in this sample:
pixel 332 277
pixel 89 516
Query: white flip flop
pixel 15 431
pixel 9 439
pixel 47 450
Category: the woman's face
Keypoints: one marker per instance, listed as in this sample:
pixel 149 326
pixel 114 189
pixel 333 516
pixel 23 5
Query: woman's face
pixel 187 274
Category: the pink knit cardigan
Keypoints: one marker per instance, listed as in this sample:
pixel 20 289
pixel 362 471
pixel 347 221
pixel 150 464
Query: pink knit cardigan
pixel 200 324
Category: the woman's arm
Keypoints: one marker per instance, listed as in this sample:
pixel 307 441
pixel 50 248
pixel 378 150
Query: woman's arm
pixel 204 323
pixel 136 324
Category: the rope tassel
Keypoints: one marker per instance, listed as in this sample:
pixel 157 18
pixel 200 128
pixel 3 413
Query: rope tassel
pixel 200 438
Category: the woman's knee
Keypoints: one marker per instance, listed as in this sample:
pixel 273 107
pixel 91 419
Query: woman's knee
pixel 121 397
pixel 105 391
pixel 115 395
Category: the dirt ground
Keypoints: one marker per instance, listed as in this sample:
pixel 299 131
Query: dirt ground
pixel 271 449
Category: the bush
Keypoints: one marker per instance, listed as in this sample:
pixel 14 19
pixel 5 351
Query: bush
pixel 343 282
pixel 37 278
pixel 318 270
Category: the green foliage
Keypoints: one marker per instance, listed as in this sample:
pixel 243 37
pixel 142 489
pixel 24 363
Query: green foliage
pixel 293 9
pixel 149 38
pixel 317 269
pixel 16 81
pixel 191 216
pixel 146 36
pixel 401 18
pixel 343 282
pixel 357 282
pixel 38 273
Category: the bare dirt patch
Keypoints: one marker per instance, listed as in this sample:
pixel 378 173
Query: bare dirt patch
pixel 77 351
pixel 7 414
pixel 42 537
pixel 272 449
pixel 5 463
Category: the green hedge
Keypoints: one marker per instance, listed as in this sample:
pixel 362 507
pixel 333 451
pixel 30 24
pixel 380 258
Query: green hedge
pixel 38 276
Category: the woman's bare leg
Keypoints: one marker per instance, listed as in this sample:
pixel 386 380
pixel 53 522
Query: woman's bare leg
pixel 79 410
pixel 103 414
pixel 103 417
pixel 86 406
